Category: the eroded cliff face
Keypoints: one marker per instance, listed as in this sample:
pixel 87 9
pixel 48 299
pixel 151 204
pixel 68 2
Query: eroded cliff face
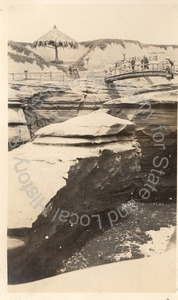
pixel 42 104
pixel 47 103
pixel 154 111
pixel 101 177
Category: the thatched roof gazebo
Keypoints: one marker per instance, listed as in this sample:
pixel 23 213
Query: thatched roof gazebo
pixel 55 39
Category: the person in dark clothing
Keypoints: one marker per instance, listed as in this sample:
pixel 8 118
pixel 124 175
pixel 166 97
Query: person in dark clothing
pixel 146 63
pixel 171 62
pixel 142 63
pixel 70 70
pixel 133 64
pixel 169 68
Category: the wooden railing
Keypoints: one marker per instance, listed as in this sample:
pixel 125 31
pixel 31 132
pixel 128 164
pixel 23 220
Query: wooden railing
pixel 137 58
pixel 61 76
pixel 51 76
pixel 127 68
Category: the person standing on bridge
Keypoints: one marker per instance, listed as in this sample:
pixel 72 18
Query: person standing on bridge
pixel 142 63
pixel 169 67
pixel 133 64
pixel 146 62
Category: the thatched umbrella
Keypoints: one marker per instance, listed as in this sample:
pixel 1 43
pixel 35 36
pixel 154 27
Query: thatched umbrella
pixel 54 39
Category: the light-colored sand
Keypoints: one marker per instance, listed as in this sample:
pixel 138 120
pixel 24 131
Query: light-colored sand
pixel 159 243
pixel 153 275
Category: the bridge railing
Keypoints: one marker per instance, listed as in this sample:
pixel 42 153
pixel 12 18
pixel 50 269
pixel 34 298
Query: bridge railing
pixel 128 68
pixel 137 58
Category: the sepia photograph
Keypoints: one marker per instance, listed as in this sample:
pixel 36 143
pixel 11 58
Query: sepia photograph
pixel 92 147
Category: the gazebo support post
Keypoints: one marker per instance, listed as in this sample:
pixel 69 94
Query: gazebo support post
pixel 56 52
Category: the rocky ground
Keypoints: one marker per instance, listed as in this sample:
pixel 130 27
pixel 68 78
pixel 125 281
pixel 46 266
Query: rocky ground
pixel 131 238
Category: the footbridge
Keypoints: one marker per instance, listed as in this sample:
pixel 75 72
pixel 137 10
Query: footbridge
pixel 127 71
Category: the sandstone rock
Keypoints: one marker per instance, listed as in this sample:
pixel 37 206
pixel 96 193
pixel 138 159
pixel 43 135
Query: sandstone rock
pixel 16 116
pixel 17 134
pixel 94 124
pixel 66 100
pixel 47 167
pixel 53 140
pixel 163 104
pixel 80 180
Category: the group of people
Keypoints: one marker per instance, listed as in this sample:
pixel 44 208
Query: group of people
pixel 127 65
pixel 144 63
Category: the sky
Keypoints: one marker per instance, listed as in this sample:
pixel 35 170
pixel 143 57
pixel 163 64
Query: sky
pixel 148 23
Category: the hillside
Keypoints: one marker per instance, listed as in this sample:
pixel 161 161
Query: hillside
pixel 104 52
pixel 99 54
pixel 102 43
pixel 20 58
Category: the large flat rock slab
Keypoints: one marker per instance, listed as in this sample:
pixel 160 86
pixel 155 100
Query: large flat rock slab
pixel 95 124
